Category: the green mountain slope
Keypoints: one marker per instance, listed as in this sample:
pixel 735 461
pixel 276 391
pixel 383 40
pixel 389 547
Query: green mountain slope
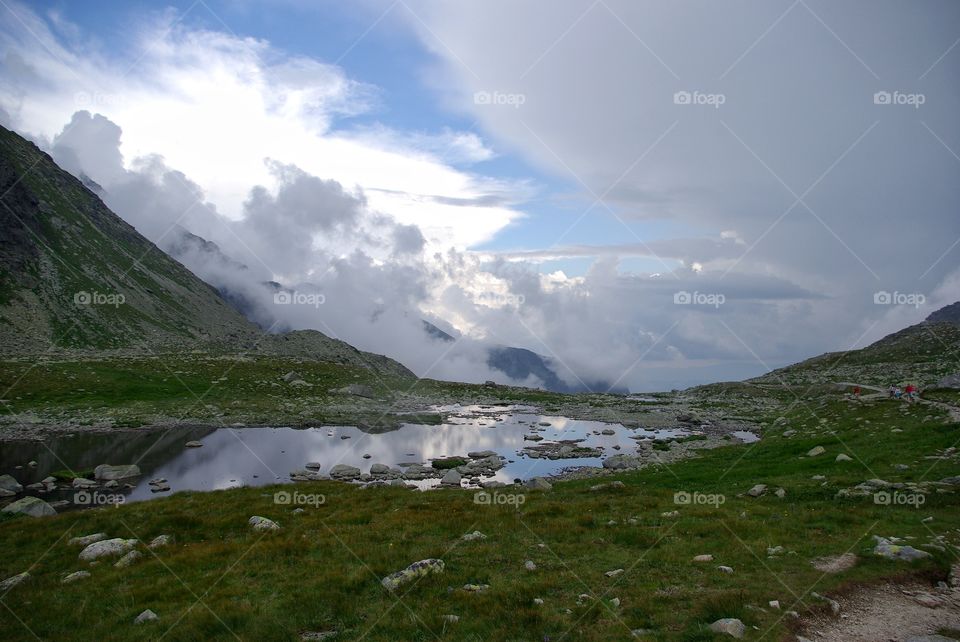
pixel 75 277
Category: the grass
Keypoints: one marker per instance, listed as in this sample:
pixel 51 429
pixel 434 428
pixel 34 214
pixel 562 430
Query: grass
pixel 321 571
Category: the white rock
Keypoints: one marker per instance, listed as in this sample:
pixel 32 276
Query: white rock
pixel 729 626
pixel 703 558
pixel 146 616
pixel 73 577
pixel 16 580
pixel 263 524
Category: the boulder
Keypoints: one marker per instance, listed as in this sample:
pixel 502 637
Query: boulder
pixel 843 457
pixel 10 484
pixel 622 462
pixel 16 580
pixel 451 478
pixel 816 450
pixel 128 559
pixel 950 381
pixel 32 506
pixel 106 472
pixel 887 549
pixel 758 490
pixel 703 558
pixel 414 571
pixel 107 548
pixel 729 626
pixel 379 469
pixel 475 535
pixel 343 472
pixel 193 444
pixel 481 454
pixel 538 483
pixel 146 616
pixel 86 540
pixel 263 524
pixel 81 483
pixel 73 577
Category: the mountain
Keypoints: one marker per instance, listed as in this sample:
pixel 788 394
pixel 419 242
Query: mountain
pixel 923 353
pixel 75 276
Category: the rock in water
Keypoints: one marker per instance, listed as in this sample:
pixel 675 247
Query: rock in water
pixel 451 478
pixel 146 616
pixel 619 462
pixel 107 547
pixel 412 572
pixel 263 524
pixel 106 472
pixel 344 472
pixel 193 444
pixel 10 484
pixel 729 626
pixel 32 506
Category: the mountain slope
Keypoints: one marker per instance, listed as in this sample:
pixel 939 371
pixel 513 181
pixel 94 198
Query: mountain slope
pixel 922 353
pixel 75 276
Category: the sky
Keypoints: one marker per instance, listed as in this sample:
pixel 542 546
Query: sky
pixel 651 194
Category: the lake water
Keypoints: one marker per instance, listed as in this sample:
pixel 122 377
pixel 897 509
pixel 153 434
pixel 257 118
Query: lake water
pixel 232 457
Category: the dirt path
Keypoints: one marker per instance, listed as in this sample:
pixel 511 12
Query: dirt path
pixel 952 410
pixel 889 613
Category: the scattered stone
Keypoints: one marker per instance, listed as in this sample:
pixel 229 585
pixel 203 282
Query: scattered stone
pixel 313 465
pixel 86 540
pixel 451 478
pixel 774 604
pixel 834 605
pixel 614 572
pixel 758 490
pixel 529 565
pixel 538 483
pixel 623 462
pixel 80 483
pixel 10 484
pixel 475 588
pixel 729 626
pixel 533 437
pixel 73 577
pixel 816 450
pixel 843 457
pixel 672 513
pixel 107 547
pixel 412 572
pixel 16 580
pixel 128 559
pixel 343 472
pixel 703 558
pixel 775 550
pixel 613 484
pixel 146 616
pixel 160 541
pixel 538 601
pixel 615 602
pixel 452 619
pixel 32 506
pixel 106 472
pixel 885 548
pixel 780 493
pixel 193 444
pixel 475 535
pixel 725 569
pixel 263 524
pixel 481 454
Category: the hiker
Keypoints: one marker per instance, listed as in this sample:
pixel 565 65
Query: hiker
pixel 856 391
pixel 911 392
pixel 892 391
pixel 897 393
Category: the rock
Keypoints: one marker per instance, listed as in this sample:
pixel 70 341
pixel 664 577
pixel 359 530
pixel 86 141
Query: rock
pixel 538 601
pixel 4 493
pixel 533 437
pixel 885 548
pixel 729 626
pixel 481 454
pixel 451 619
pixel 475 588
pixel 538 483
pixel 529 565
pixel 615 602
pixel 780 493
pixel 107 547
pixel 263 524
pixel 128 559
pixel 106 472
pixel 835 563
pixel 160 541
pixel 758 490
pixel 451 478
pixel 193 444
pixel 10 484
pixel 314 636
pixel 775 550
pixel 32 506
pixel 80 483
pixel 622 462
pixel 950 381
pixel 816 450
pixel 146 616
pixel 343 472
pixel 725 569
pixel 314 465
pixel 86 540
pixel 16 580
pixel 414 571
pixel 613 484
pixel 833 604
pixel 475 535
pixel 608 431
pixel 774 604
pixel 291 376
pixel 614 572
pixel 703 558
pixel 73 577
pixel 379 469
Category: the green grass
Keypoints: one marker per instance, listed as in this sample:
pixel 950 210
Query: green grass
pixel 322 570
